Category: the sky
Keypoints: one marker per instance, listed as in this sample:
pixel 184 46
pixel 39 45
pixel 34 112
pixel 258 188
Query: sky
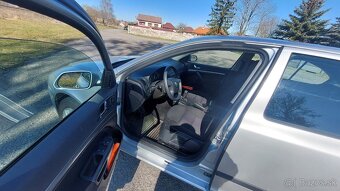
pixel 195 12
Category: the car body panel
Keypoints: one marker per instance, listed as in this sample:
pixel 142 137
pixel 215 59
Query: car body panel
pixel 266 155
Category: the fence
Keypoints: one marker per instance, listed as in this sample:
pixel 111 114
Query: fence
pixel 159 33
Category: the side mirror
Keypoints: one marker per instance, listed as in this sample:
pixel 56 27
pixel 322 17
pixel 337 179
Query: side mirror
pixel 74 80
pixel 193 58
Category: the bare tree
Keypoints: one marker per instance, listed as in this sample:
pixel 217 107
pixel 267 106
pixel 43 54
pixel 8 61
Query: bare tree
pixel 266 26
pixel 250 13
pixel 93 12
pixel 107 12
pixel 180 27
pixel 291 108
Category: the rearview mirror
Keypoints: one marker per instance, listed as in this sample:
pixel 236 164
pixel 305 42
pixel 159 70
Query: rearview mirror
pixel 75 80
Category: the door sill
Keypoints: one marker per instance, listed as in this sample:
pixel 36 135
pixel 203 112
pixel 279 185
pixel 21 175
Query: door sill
pixel 149 152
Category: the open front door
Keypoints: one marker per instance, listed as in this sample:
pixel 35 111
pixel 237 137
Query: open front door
pixel 77 150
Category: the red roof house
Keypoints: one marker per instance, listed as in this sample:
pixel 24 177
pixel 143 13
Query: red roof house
pixel 188 30
pixel 168 27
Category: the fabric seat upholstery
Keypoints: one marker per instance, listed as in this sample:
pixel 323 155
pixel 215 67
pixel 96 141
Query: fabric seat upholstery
pixel 186 128
pixel 183 129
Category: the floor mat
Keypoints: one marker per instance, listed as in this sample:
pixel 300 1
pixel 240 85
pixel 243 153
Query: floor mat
pixel 154 133
pixel 149 122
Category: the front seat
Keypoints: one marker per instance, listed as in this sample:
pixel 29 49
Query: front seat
pixel 186 128
pixel 182 130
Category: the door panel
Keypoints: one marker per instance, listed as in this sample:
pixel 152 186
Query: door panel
pixel 63 148
pixel 91 170
pixel 86 142
pixel 203 78
pixel 207 68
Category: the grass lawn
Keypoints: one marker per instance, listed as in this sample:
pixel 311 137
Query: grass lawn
pixel 42 30
pixel 14 53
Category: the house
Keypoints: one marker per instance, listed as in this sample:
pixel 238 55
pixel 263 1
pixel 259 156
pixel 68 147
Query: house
pixel 202 30
pixel 149 21
pixel 123 23
pixel 168 27
pixel 188 30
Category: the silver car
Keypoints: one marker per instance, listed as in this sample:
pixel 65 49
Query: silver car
pixel 220 113
pixel 230 113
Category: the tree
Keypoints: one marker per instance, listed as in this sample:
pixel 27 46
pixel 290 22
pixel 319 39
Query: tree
pixel 221 16
pixel 94 13
pixel 180 27
pixel 306 25
pixel 287 107
pixel 107 12
pixel 333 34
pixel 266 26
pixel 251 13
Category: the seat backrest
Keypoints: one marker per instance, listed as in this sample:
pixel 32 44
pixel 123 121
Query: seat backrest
pixel 228 89
pixel 231 84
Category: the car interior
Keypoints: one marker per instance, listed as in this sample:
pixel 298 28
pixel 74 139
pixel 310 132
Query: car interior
pixel 179 102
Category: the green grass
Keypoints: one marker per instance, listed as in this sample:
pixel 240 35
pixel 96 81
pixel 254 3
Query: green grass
pixel 38 29
pixel 103 27
pixel 14 53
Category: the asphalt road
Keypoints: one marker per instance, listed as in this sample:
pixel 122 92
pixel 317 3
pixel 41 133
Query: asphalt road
pixel 26 112
pixel 119 42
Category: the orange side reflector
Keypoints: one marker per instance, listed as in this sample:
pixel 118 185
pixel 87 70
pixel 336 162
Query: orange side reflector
pixel 112 156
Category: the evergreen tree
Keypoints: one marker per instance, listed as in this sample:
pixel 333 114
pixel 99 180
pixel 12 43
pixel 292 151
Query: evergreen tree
pixel 221 16
pixel 333 34
pixel 306 25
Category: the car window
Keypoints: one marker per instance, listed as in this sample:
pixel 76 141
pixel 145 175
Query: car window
pixel 308 94
pixel 218 58
pixel 44 76
pixel 305 72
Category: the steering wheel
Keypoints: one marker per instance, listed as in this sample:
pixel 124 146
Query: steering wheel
pixel 172 83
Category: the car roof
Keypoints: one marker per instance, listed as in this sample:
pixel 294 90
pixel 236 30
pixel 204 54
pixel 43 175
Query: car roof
pixel 270 42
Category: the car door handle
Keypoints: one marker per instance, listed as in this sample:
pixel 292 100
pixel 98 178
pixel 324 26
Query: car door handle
pixel 103 109
pixel 197 67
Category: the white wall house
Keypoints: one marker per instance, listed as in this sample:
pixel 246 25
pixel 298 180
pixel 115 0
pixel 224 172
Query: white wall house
pixel 149 21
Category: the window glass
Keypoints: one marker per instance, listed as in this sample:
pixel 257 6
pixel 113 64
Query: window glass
pixel 306 72
pixel 42 71
pixel 308 94
pixel 218 58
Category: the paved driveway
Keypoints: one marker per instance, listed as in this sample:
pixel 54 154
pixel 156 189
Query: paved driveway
pixel 119 42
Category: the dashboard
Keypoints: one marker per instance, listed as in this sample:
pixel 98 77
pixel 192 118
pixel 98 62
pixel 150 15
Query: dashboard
pixel 142 84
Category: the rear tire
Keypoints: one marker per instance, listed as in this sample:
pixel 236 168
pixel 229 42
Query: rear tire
pixel 67 106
